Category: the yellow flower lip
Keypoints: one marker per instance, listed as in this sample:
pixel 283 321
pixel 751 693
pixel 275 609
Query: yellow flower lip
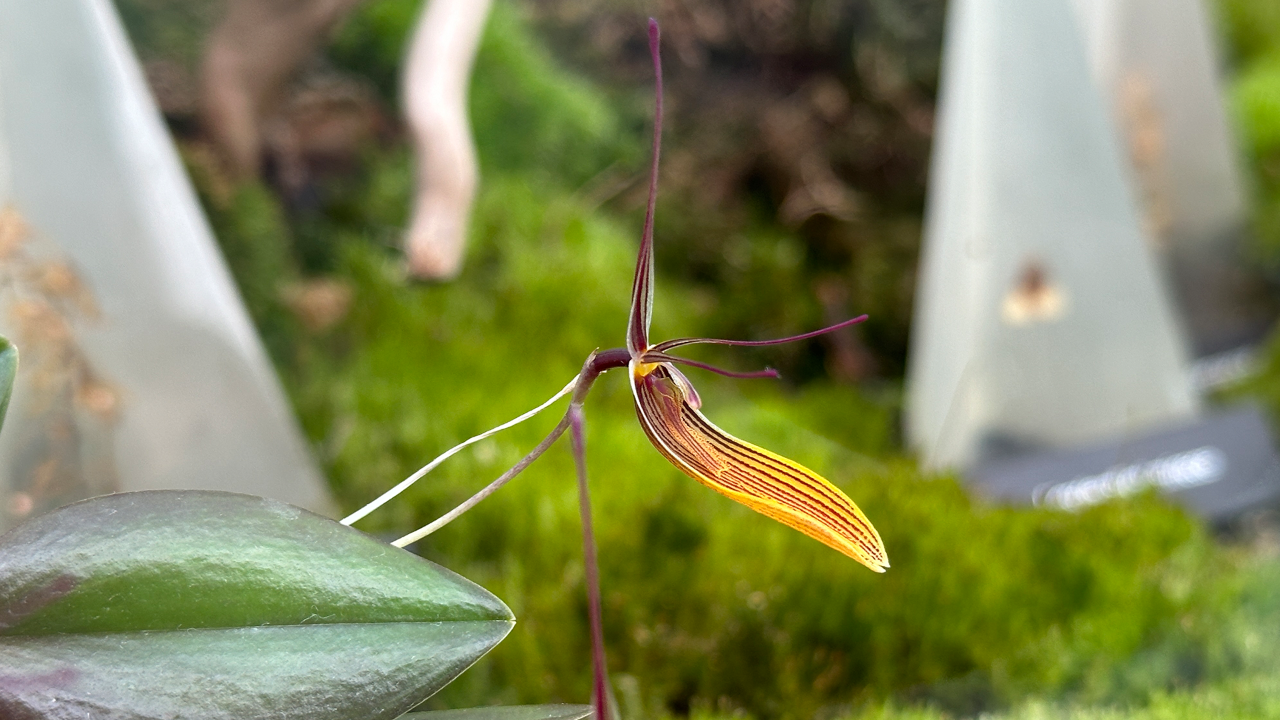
pixel 763 481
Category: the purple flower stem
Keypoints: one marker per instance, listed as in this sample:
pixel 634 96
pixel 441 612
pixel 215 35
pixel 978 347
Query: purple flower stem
pixel 599 666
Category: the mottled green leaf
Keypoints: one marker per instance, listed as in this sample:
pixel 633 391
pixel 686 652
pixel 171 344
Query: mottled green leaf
pixel 185 604
pixel 511 712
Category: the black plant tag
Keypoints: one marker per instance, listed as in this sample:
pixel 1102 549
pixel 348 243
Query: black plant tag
pixel 1218 467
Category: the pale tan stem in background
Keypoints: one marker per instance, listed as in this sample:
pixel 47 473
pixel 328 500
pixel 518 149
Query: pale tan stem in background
pixel 250 57
pixel 436 76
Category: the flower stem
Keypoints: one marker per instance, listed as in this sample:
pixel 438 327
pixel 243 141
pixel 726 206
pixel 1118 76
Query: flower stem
pixel 599 665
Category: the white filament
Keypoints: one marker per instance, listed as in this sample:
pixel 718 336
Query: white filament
pixel 404 484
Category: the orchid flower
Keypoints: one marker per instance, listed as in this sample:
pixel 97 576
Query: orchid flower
pixel 668 407
pixel 669 410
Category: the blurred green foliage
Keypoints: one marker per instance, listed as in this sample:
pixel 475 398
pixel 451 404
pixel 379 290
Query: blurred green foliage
pixel 1252 28
pixel 711 610
pixel 1253 691
pixel 1253 31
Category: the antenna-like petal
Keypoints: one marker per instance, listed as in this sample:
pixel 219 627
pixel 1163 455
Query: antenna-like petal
pixel 666 345
pixel 642 286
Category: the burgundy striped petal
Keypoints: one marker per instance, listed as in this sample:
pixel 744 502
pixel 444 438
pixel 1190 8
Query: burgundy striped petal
pixel 763 481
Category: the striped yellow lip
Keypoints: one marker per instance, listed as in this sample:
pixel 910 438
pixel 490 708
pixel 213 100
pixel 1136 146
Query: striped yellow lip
pixel 763 481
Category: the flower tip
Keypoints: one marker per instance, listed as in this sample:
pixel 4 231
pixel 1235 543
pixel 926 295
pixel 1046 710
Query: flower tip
pixel 869 553
pixel 875 561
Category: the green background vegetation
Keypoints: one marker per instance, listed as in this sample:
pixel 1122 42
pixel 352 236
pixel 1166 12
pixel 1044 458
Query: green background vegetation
pixel 1131 609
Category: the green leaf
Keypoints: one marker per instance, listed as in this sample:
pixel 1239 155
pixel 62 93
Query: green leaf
pixel 8 369
pixel 499 712
pixel 188 604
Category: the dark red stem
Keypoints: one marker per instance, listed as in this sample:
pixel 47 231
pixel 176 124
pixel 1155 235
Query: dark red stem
pixel 599 666
pixel 601 361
